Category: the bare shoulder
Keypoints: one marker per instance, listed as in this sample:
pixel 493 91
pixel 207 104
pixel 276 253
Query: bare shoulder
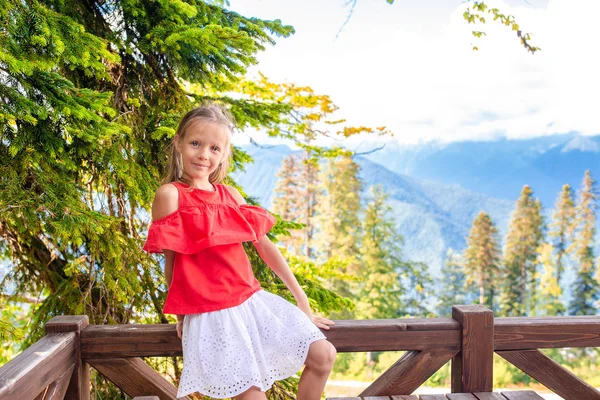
pixel 165 202
pixel 236 194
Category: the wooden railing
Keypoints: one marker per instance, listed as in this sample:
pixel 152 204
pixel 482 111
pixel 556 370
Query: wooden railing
pixel 57 366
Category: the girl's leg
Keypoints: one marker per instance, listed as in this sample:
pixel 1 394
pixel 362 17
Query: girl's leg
pixel 253 393
pixel 318 365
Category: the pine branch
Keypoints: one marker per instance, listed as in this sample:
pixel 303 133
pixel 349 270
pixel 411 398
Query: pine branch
pixel 18 298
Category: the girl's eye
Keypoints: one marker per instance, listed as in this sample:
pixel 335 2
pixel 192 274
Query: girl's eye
pixel 215 148
pixel 195 143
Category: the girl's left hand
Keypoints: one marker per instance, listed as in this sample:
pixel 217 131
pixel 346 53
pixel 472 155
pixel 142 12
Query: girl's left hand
pixel 320 322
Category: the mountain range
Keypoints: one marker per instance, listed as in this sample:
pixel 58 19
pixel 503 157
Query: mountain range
pixel 436 190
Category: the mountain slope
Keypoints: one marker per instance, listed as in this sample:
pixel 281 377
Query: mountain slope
pixel 431 216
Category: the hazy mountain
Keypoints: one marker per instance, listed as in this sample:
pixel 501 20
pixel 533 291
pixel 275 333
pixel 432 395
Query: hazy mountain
pixel 431 216
pixel 436 190
pixel 499 168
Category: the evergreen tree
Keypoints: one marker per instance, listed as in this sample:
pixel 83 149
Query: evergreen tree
pixel 310 199
pixel 482 258
pixel 91 98
pixel 562 228
pixel 549 302
pixel 339 222
pixel 296 198
pixel 288 199
pixel 418 288
pixel 379 291
pixel 585 287
pixel 453 282
pixel 341 209
pixel 524 236
pixel 537 219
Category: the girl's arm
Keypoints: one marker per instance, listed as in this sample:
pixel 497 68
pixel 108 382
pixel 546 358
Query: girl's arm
pixel 169 258
pixel 274 259
pixel 166 202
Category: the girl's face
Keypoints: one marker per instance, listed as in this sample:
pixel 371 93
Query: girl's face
pixel 203 147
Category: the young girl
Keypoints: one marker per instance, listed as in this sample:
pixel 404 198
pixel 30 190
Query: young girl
pixel 237 338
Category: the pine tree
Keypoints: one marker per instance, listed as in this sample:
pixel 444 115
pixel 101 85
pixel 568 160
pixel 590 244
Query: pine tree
pixel 92 96
pixel 453 283
pixel 585 287
pixel 339 221
pixel 418 288
pixel 525 234
pixel 379 290
pixel 341 209
pixel 533 279
pixel 482 258
pixel 549 302
pixel 562 228
pixel 296 198
pixel 310 200
pixel 288 199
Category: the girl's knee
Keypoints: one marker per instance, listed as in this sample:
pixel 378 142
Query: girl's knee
pixel 321 356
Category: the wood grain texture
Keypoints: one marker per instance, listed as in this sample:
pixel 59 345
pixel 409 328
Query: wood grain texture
pixel 473 367
pixel 518 333
pixel 135 377
pixel 460 396
pixel 79 385
pixel 30 373
pixel 58 389
pixel 489 396
pixel 131 340
pixel 343 398
pixel 378 335
pixel 114 341
pixel 408 373
pixel 551 374
pixel 376 398
pixel 67 323
pixel 394 341
pixel 524 395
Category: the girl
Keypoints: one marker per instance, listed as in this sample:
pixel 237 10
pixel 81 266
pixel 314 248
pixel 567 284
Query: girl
pixel 237 339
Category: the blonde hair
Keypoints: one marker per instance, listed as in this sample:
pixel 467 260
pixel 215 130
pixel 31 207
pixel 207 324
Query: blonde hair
pixel 210 113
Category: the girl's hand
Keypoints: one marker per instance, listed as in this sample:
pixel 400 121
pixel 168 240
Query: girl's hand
pixel 320 322
pixel 179 328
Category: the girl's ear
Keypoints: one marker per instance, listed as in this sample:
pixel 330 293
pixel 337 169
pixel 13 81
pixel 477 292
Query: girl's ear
pixel 176 141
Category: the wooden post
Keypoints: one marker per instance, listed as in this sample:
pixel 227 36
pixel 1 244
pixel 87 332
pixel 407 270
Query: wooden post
pixel 79 386
pixel 472 367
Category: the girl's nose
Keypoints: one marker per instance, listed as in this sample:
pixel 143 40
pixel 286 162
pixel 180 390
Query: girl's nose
pixel 203 153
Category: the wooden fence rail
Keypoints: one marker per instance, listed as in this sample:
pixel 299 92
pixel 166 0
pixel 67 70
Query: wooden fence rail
pixel 469 339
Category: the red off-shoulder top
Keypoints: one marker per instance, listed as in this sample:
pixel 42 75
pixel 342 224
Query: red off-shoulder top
pixel 211 270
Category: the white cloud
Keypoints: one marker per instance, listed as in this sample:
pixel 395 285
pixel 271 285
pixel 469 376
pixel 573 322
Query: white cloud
pixel 412 69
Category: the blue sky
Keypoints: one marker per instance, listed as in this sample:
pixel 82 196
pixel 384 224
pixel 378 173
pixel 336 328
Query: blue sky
pixel 409 66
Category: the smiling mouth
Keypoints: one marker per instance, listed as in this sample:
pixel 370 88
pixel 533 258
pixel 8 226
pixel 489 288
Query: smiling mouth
pixel 200 166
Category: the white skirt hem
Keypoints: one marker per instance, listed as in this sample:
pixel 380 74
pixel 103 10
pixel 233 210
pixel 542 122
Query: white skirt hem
pixel 226 352
pixel 263 388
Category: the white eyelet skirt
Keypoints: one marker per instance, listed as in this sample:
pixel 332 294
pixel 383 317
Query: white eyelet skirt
pixel 262 340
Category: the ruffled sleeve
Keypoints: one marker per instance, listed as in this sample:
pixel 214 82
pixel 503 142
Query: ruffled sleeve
pixel 190 230
pixel 259 219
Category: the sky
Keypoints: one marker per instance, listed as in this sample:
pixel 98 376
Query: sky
pixel 410 65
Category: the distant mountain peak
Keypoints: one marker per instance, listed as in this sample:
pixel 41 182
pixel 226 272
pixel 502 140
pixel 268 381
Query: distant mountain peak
pixel 582 143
